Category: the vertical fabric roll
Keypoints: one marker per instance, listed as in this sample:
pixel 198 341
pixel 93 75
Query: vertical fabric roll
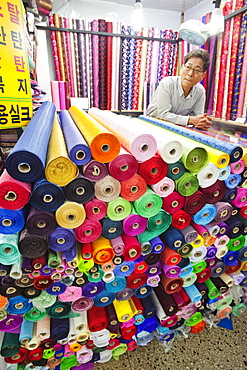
pixel 104 145
pixel 26 162
pixel 13 194
pixel 59 168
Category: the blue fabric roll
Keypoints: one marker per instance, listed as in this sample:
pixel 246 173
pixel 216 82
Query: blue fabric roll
pixel 242 254
pixel 19 305
pixel 124 269
pixel 232 181
pixel 104 298
pixel 193 293
pixel 229 195
pixel 185 271
pixel 61 239
pixel 26 162
pixel 70 253
pixel 205 215
pixel 231 258
pixel 145 339
pixel 143 292
pixel 244 281
pixel 139 319
pixel 59 328
pixel 108 225
pixel 46 196
pixel 149 309
pixel 11 222
pixel 91 290
pixel 149 325
pixel 78 149
pixel 26 330
pixel 157 245
pixel 118 284
pixel 173 238
pixel 235 152
pixel 56 288
pixel 224 173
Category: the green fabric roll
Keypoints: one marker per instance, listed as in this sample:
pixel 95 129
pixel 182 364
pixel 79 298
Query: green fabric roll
pixel 34 315
pixel 54 259
pixel 148 204
pixel 10 345
pixel 185 250
pixel 3 314
pixel 85 265
pixel 21 367
pixel 58 309
pixel 68 362
pixel 238 309
pixel 44 300
pixel 236 244
pixel 198 266
pixel 119 350
pixel 48 353
pixel 224 302
pixel 99 349
pixel 146 236
pixel 187 184
pixel 96 276
pixel 194 158
pixel 213 292
pixel 194 319
pixel 160 222
pixel 118 209
pixel 175 170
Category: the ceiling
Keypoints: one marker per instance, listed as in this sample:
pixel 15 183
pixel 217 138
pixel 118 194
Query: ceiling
pixel 180 6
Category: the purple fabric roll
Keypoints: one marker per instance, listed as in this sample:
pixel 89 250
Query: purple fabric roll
pixel 218 269
pixel 211 252
pixel 224 228
pixel 94 170
pixel 153 270
pixel 11 323
pixel 211 262
pixel 134 224
pixel 82 304
pixel 92 289
pixel 171 271
pixel 124 294
pixel 224 211
pixel 40 222
pixel 61 239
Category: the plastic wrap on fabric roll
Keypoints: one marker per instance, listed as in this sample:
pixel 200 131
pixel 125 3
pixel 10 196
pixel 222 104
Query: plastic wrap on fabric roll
pixel 103 144
pixel 124 166
pixel 234 151
pixel 78 150
pixel 47 196
pixel 26 162
pixel 142 146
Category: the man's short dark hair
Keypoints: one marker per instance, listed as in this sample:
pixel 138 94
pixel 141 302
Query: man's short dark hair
pixel 199 53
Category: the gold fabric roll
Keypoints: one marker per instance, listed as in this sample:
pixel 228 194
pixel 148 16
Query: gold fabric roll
pixel 70 215
pixel 59 168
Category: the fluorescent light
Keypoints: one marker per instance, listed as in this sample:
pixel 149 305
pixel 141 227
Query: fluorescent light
pixel 137 15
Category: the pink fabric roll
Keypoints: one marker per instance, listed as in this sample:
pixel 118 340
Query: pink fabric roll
pixel 55 94
pixel 237 167
pixel 134 224
pixel 71 294
pixel 117 245
pixel 88 232
pixel 95 209
pixel 164 187
pixel 241 198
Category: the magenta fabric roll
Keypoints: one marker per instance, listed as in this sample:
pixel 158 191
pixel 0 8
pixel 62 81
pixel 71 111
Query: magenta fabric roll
pixel 237 167
pixel 95 209
pixel 134 224
pixel 94 170
pixel 241 198
pixel 88 232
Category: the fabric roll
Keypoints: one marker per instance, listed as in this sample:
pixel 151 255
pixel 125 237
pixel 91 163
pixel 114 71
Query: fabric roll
pixel 170 257
pixel 88 231
pixel 223 211
pixel 198 253
pixel 104 145
pixel 40 222
pixel 230 195
pixel 9 252
pixel 134 224
pixel 102 251
pixel 107 189
pixel 12 221
pixel 208 175
pixel 157 245
pixel 82 304
pixel 173 202
pixel 13 194
pixel 124 166
pixel 46 196
pixel 164 187
pixel 118 209
pixel 175 170
pixel 189 233
pixel 26 162
pixel 187 184
pixel 153 170
pixel 111 229
pixel 61 239
pixel 159 222
pixel 232 181
pixel 133 188
pixel 118 247
pixel 205 215
pixel 132 248
pixel 180 219
pixel 70 215
pixel 172 285
pixel 241 198
pixel 194 202
pixel 95 209
pixel 215 192
pixel 142 146
pixel 31 245
pixel 235 227
pixel 79 190
pixel 94 170
pixel 148 204
pixel 10 344
pixel 173 238
pixel 59 169
pixel 78 150
pixel 224 173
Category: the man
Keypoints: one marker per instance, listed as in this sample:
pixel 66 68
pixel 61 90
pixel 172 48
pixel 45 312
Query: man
pixel 181 99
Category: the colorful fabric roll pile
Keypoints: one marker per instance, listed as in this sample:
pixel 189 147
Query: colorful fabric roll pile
pixel 89 63
pixel 112 233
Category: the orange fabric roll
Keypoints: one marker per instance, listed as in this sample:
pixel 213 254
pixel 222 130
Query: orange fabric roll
pixel 102 251
pixel 170 257
pixel 133 188
pixel 103 144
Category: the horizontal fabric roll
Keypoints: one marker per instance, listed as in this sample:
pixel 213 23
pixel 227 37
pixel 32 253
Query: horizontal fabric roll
pixel 132 248
pixel 104 299
pixel 187 184
pixel 94 170
pixel 95 209
pixel 175 170
pixel 78 150
pixel 13 194
pixel 205 215
pixel 88 231
pixel 26 162
pixel 215 192
pixel 159 222
pixel 103 144
pixel 171 285
pixel 142 146
pixel 164 187
pixel 82 304
pixel 235 227
pixel 170 257
pixel 61 239
pixel 118 247
pixel 102 251
pixel 237 167
pixel 224 173
pixel 189 233
pixel 133 188
pixel 118 209
pixel 97 318
pixel 223 211
pixel 148 204
pixel 111 229
pixel 153 170
pixel 232 181
pixel 70 215
pixel 173 238
pixel 194 202
pixel 79 190
pixel 10 345
pixel 12 221
pixel 46 196
pixel 241 198
pixel 18 305
pixel 134 224
pixel 229 195
pixel 40 222
pixel 173 202
pixel 31 245
pixel 194 158
pixel 124 166
pixel 208 175
pixel 59 169
pixel 107 189
pixel 9 252
pixel 180 219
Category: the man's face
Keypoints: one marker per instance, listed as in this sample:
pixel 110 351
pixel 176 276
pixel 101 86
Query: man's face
pixel 191 73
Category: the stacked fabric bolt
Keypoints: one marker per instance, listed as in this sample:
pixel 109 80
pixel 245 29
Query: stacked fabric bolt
pixel 112 233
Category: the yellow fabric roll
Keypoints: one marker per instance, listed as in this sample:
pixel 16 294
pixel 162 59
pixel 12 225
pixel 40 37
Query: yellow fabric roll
pixel 59 168
pixel 245 156
pixel 103 144
pixel 125 310
pixel 70 215
pixel 198 242
pixel 75 347
pixel 102 251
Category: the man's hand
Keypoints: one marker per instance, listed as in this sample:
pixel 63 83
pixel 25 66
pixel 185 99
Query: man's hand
pixel 202 121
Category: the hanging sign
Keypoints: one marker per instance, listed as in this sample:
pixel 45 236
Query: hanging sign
pixel 15 89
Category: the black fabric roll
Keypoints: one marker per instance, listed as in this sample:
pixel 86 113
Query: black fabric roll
pixel 111 229
pixel 79 190
pixel 32 246
pixel 59 328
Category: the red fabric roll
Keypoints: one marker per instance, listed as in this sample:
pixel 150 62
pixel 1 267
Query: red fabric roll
pixel 180 219
pixel 185 297
pixel 214 193
pixel 133 188
pixel 171 285
pixel 18 357
pixel 97 318
pixel 35 354
pixel 42 282
pixel 14 194
pixel 132 248
pixel 153 170
pixel 86 251
pixel 138 304
pixel 243 212
pixel 173 202
pixel 170 321
pixel 131 345
pixel 135 280
pixel 170 257
pixel 88 232
pixel 128 332
pixel 124 166
pixel 95 209
pixel 231 269
pixel 39 262
pixel 203 275
pixel 141 267
pixel 194 202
